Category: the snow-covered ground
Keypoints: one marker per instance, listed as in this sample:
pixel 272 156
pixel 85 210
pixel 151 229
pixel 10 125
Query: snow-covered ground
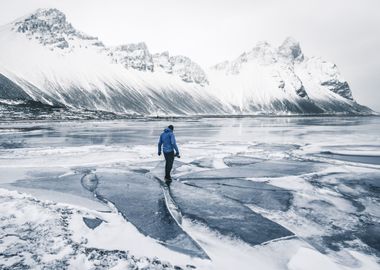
pixel 252 193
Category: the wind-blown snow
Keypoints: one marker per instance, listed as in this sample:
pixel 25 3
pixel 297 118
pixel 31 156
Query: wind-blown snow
pixel 44 58
pixel 281 79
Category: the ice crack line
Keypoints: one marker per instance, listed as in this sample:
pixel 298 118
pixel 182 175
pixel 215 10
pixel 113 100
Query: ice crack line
pixel 169 202
pixel 36 234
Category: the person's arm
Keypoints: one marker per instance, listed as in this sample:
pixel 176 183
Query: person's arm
pixel 159 145
pixel 174 144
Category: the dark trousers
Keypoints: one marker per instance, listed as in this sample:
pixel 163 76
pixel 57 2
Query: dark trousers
pixel 169 158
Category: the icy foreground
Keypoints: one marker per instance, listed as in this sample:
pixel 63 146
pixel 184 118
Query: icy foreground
pixel 47 235
pixel 44 59
pixel 263 193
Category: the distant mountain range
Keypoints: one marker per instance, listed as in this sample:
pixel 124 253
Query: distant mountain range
pixel 44 59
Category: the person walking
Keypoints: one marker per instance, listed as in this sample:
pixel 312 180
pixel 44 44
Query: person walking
pixel 168 144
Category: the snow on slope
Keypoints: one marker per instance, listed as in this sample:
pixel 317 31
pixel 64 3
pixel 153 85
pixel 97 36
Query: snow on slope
pixel 137 56
pixel 281 79
pixel 75 70
pixel 44 58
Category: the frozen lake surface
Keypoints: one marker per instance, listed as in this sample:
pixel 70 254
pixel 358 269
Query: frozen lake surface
pixel 263 193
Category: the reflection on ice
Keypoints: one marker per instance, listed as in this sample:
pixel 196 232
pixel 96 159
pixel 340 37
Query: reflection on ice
pixel 140 200
pixel 92 223
pixel 249 192
pixel 367 159
pixel 248 180
pixel 270 168
pixel 370 234
pixel 56 182
pixel 225 215
pixel 232 161
pixel 90 181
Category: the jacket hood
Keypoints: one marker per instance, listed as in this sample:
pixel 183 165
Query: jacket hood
pixel 167 130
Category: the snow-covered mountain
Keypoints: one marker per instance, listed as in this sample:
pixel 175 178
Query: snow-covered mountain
pixel 137 56
pixel 44 58
pixel 271 79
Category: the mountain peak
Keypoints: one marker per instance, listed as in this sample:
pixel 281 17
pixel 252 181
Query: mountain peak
pixel 137 56
pixel 133 55
pixel 50 28
pixel 291 48
pixel 51 62
pixel 49 14
pixel 44 20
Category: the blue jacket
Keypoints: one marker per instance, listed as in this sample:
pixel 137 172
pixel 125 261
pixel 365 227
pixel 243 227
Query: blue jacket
pixel 168 140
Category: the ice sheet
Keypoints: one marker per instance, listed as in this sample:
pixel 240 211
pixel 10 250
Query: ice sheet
pixel 276 170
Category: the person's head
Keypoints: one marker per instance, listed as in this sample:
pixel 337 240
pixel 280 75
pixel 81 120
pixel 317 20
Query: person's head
pixel 171 127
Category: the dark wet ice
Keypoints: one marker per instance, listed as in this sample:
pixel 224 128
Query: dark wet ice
pixel 250 179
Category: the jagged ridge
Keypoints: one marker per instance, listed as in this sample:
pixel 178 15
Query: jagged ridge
pixel 63 66
pixel 272 79
pixel 50 27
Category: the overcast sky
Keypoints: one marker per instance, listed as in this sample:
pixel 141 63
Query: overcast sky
pixel 346 32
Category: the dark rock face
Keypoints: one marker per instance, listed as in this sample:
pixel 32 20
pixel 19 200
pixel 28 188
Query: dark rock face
pixel 45 20
pixel 10 90
pixel 329 76
pixel 301 92
pixel 291 48
pixel 124 99
pixel 50 28
pixel 340 88
pixel 188 70
pixel 134 55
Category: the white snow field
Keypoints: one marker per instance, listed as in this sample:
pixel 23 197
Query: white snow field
pixel 44 59
pixel 250 193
